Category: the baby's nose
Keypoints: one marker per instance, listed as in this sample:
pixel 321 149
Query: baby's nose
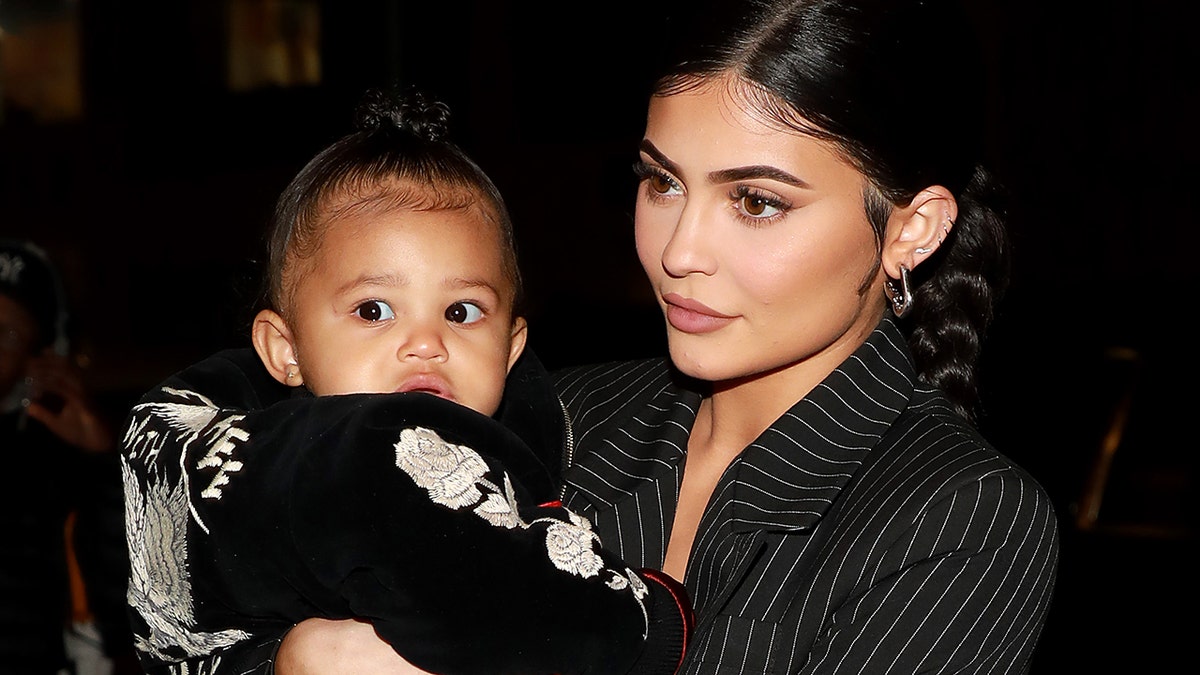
pixel 423 343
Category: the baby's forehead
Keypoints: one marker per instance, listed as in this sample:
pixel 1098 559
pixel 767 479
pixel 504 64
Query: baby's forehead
pixel 362 201
pixel 358 204
pixel 358 217
pixel 443 232
pixel 395 193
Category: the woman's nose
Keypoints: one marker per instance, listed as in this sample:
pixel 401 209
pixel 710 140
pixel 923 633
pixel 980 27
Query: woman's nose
pixel 688 249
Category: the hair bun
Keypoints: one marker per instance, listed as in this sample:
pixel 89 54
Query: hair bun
pixel 407 110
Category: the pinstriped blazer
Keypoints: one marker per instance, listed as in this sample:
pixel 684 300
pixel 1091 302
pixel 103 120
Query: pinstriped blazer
pixel 868 530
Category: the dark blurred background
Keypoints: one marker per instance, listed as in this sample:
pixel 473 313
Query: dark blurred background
pixel 143 143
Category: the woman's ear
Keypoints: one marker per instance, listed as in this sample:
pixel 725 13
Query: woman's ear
pixel 520 333
pixel 273 341
pixel 916 231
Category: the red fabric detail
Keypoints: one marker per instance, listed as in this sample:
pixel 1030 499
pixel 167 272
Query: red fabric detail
pixel 684 605
pixel 552 505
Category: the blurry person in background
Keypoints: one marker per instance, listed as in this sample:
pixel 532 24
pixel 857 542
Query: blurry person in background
pixel 63 562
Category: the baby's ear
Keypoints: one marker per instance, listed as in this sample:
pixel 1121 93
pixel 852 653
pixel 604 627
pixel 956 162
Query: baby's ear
pixel 273 341
pixel 520 333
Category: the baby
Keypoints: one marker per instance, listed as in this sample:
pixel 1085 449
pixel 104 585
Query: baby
pixel 394 477
pixel 393 269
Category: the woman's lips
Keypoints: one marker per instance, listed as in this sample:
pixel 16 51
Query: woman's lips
pixel 690 316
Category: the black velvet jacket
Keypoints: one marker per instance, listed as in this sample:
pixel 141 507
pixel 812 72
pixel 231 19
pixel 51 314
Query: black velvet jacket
pixel 249 508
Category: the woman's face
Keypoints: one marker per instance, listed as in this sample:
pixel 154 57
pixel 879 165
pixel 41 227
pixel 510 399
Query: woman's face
pixel 755 240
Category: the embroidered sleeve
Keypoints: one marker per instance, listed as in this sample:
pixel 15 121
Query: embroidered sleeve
pixel 248 511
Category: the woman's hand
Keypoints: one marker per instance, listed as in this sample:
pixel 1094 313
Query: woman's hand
pixel 350 647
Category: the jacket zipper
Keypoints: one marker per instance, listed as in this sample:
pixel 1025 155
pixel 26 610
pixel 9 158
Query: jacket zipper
pixel 569 450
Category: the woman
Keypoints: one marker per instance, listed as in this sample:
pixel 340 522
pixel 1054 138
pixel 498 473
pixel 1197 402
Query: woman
pixel 826 252
pixel 822 243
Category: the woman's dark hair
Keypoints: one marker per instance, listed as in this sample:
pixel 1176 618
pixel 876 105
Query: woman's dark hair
pixel 897 86
pixel 398 157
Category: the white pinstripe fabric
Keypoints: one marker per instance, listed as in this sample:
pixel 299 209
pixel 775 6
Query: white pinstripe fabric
pixel 869 530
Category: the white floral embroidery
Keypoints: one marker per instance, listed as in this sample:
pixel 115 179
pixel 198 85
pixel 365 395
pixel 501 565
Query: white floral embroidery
pixel 221 454
pixel 159 588
pixel 570 548
pixel 501 510
pixel 454 476
pixel 189 419
pixel 640 590
pixel 449 472
pixel 157 509
pixel 207 667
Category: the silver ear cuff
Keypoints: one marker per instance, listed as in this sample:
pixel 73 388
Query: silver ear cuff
pixel 900 294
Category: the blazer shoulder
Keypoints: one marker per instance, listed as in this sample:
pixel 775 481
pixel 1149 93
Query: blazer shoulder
pixel 952 451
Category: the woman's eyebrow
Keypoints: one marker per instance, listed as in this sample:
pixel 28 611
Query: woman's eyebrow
pixel 753 172
pixel 647 147
pixel 727 175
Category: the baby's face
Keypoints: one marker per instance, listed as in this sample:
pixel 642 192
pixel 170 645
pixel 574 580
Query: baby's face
pixel 407 301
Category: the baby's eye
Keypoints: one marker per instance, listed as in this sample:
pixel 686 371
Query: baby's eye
pixel 464 312
pixel 374 310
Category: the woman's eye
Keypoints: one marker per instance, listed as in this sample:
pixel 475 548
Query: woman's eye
pixel 659 183
pixel 374 310
pixel 758 206
pixel 464 312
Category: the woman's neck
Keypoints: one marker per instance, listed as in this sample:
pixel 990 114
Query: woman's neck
pixel 738 411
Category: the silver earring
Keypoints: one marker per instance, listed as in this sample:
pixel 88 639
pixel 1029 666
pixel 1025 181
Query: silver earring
pixel 901 298
pixel 922 250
